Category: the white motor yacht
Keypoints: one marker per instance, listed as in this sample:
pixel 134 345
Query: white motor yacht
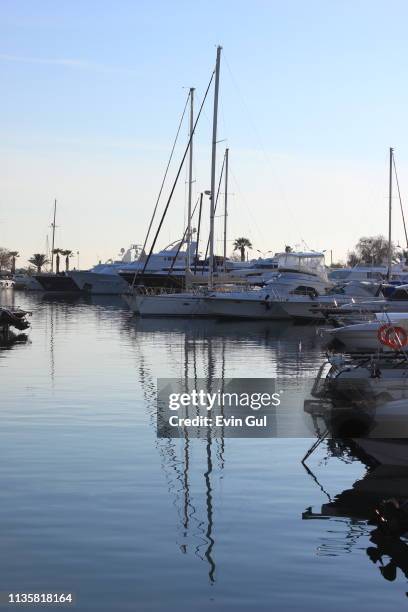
pixel 396 302
pixel 299 274
pixel 116 277
pixel 309 306
pixel 27 282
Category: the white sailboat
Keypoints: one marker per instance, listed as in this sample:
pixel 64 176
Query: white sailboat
pixel 188 303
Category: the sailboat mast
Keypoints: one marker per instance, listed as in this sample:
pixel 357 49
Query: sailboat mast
pixel 225 208
pixel 190 179
pixel 390 216
pixel 53 236
pixel 213 163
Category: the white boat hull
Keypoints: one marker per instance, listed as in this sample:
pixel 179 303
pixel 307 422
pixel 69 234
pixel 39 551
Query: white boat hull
pixel 237 308
pixel 364 336
pixel 168 305
pixel 6 284
pixel 306 309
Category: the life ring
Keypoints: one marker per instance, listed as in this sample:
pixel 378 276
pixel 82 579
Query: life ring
pixel 393 336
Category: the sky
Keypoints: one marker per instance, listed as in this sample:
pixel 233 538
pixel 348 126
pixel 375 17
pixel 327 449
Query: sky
pixel 312 95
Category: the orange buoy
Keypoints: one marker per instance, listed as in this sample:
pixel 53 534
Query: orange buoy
pixel 393 336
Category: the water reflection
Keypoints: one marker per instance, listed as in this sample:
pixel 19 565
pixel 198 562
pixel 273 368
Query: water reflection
pixel 89 490
pixel 375 507
pixel 211 350
pixel 10 339
pixel 196 518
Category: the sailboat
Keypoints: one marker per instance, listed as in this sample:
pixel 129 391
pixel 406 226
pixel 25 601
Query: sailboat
pixel 188 303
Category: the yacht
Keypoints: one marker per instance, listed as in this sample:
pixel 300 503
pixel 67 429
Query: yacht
pixel 7 283
pixel 115 277
pixel 312 307
pixel 299 274
pixel 361 273
pixel 26 281
pixel 396 302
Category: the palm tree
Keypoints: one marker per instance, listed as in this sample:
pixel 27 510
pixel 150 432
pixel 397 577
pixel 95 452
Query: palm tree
pixel 4 258
pixel 57 259
pixel 38 260
pixel 13 255
pixel 67 254
pixel 241 244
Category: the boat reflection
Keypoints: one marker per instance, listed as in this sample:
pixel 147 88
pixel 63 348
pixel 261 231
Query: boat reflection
pixel 195 510
pixel 374 508
pixel 11 339
pixel 213 351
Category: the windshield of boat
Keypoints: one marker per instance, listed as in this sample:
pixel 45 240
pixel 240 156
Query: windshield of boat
pixel 309 263
pixel 400 293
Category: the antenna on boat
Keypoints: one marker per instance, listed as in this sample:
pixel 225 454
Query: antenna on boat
pixel 213 162
pixel 190 180
pixel 225 208
pixel 400 200
pixel 390 215
pixel 53 236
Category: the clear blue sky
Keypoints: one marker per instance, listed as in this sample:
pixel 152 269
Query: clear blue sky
pixel 313 94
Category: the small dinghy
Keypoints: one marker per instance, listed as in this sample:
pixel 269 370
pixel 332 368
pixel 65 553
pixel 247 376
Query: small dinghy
pixel 13 318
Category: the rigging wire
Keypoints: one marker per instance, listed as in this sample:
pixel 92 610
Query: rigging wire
pixel 267 158
pixel 216 201
pixel 400 200
pixel 182 241
pixel 177 176
pixel 198 233
pixel 164 178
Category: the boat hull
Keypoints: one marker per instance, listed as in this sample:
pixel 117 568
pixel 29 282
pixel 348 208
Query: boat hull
pixel 235 308
pixel 390 452
pixel 168 305
pixel 154 280
pixel 99 284
pixel 57 283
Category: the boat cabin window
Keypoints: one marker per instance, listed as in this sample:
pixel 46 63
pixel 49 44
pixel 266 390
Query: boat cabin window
pixel 375 276
pixel 401 293
pixel 336 290
pixel 309 263
pixel 339 274
pixel 303 290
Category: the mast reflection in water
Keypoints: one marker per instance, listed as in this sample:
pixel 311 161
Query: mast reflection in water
pixel 94 502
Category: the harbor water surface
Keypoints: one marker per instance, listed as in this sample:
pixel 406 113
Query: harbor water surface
pixel 94 504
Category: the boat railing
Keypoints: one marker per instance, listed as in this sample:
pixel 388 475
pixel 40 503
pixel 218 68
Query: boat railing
pixel 149 291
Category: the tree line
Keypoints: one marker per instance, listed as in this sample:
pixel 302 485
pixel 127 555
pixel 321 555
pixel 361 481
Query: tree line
pixel 373 251
pixel 38 260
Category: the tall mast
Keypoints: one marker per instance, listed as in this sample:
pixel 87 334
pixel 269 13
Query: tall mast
pixel 47 248
pixel 390 216
pixel 190 179
pixel 213 162
pixel 53 236
pixel 225 208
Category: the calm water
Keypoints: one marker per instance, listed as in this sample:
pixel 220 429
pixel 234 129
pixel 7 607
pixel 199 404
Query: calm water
pixel 92 502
